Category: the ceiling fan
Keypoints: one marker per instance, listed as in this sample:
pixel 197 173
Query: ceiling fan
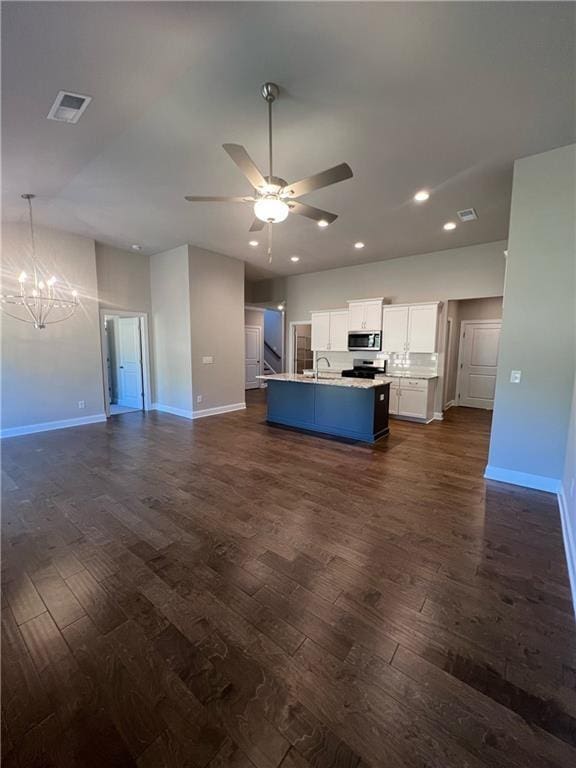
pixel 273 198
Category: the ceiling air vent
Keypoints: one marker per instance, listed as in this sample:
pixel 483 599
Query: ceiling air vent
pixel 69 107
pixel 468 214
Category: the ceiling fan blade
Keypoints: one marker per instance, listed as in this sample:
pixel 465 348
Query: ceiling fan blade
pixel 216 199
pixel 246 164
pixel 257 225
pixel 319 180
pixel 316 214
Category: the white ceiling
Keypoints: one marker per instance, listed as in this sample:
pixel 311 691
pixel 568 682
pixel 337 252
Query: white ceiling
pixel 411 95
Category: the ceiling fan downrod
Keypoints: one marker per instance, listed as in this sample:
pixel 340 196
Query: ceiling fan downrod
pixel 270 92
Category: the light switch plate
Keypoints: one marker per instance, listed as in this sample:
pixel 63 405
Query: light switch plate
pixel 515 377
pixel 208 360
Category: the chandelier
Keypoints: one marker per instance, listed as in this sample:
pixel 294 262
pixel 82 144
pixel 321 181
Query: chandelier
pixel 39 299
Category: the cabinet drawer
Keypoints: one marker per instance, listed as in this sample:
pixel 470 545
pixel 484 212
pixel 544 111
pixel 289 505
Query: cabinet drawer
pixel 420 384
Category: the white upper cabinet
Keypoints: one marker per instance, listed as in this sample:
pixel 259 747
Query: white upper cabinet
pixel 365 315
pixel 410 328
pixel 373 315
pixel 422 328
pixel 339 331
pixel 320 331
pixel 395 329
pixel 356 315
pixel 330 331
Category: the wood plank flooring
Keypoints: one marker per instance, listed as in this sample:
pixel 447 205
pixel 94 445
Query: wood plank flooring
pixel 228 594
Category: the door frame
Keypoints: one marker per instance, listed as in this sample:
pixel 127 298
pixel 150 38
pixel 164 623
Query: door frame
pixel 291 341
pixel 145 351
pixel 448 347
pixel 463 326
pixel 260 330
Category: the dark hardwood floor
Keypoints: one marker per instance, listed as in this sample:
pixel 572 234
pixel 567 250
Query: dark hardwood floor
pixel 225 593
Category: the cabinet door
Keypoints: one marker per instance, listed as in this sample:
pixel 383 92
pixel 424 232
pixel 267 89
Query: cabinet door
pixel 356 317
pixel 395 329
pixel 413 402
pixel 339 331
pixel 394 406
pixel 422 324
pixel 320 331
pixel 373 316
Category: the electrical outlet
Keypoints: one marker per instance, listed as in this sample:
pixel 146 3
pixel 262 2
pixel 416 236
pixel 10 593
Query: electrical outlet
pixel 81 404
pixel 207 360
pixel 515 377
pixel 198 398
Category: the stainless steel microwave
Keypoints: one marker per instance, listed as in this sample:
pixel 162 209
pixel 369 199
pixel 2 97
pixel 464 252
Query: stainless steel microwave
pixel 364 341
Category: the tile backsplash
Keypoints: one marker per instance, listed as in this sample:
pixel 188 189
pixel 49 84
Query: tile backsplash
pixel 417 362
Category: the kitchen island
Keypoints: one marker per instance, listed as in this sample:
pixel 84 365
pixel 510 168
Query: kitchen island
pixel 356 409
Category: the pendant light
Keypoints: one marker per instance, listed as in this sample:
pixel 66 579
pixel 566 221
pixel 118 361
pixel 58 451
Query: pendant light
pixel 40 300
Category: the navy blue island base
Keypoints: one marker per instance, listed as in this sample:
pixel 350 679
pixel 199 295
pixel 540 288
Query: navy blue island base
pixel 355 413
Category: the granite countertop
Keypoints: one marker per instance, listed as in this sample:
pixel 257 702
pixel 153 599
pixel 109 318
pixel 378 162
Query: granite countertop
pixel 330 381
pixel 336 372
pixel 408 375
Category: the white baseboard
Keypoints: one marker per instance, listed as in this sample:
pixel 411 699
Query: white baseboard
pixel 538 482
pixel 438 416
pixel 569 535
pixel 173 411
pixel 219 409
pixel 198 414
pixel 48 426
pixel 450 404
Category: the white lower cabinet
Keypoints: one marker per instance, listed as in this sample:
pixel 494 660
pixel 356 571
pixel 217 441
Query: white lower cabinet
pixel 412 398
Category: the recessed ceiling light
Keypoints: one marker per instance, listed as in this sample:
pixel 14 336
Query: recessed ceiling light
pixel 294 258
pixel 136 247
pixel 449 225
pixel 253 243
pixel 421 196
pixel 359 245
pixel 322 223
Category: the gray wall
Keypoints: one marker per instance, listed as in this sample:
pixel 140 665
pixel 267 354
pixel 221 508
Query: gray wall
pixel 480 309
pixel 460 273
pixel 531 419
pixel 217 328
pixel 45 373
pixel 569 497
pixel 123 279
pixel 170 300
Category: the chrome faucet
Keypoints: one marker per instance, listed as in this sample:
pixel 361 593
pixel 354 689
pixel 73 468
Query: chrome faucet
pixel 316 367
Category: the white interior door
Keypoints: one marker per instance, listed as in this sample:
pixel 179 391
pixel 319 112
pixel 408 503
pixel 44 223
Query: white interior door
pixel 477 364
pixel 129 362
pixel 252 342
pixel 395 329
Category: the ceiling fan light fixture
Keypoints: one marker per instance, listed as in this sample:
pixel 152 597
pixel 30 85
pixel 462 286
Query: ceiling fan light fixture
pixel 271 210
